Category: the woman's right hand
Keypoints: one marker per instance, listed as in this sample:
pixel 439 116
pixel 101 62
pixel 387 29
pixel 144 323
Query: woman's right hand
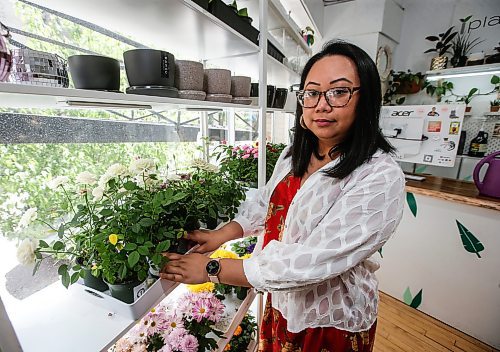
pixel 210 240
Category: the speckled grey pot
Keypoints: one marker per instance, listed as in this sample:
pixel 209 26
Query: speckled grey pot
pixel 240 86
pixel 217 81
pixel 192 94
pixel 189 75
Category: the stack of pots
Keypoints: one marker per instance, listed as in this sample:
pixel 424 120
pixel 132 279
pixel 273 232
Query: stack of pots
pixel 276 97
pixel 150 72
pixel 218 85
pixel 189 79
pixel 280 96
pixel 240 90
pixel 95 72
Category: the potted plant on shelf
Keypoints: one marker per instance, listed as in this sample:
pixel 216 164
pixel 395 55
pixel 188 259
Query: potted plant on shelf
pixel 402 83
pixel 443 43
pixel 462 45
pixel 308 35
pixel 494 105
pixel 243 335
pixel 467 98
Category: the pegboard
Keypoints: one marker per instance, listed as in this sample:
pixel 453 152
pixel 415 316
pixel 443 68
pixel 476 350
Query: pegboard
pixel 472 126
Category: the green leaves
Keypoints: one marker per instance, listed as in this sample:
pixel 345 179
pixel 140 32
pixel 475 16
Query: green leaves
pixel 470 242
pixel 413 302
pixel 412 203
pixel 133 259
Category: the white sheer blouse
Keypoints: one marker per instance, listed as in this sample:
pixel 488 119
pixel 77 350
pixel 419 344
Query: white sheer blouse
pixel 320 274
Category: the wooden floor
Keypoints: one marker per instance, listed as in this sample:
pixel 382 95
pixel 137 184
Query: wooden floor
pixel 402 328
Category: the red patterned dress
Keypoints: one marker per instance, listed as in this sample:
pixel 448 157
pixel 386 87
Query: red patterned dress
pixel 274 335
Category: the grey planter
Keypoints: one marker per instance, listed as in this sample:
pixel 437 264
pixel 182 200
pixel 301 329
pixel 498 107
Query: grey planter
pixel 192 94
pixel 217 81
pixel 240 86
pixel 189 75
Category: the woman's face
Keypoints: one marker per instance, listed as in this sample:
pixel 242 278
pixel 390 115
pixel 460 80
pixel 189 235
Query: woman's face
pixel 331 125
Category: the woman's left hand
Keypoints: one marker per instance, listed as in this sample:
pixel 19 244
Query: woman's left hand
pixel 187 268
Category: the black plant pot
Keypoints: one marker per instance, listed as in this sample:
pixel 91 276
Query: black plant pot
pixel 254 90
pixel 149 67
pixel 271 90
pixel 227 15
pixel 94 72
pixel 280 98
pixel 202 3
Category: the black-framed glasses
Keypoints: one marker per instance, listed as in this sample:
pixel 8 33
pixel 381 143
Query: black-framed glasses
pixel 337 97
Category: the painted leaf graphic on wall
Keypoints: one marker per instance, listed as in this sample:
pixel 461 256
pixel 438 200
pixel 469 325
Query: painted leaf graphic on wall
pixel 407 297
pixel 417 300
pixel 470 242
pixel 412 203
pixel 380 252
pixel 413 302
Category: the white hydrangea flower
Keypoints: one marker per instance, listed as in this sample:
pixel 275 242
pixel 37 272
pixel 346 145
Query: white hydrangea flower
pixel 203 165
pixel 28 217
pixel 57 181
pixel 116 170
pixel 26 251
pixel 86 178
pixel 141 166
pixel 103 180
pixel 98 193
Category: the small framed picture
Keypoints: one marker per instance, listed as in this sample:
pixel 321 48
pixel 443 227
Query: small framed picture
pixel 496 131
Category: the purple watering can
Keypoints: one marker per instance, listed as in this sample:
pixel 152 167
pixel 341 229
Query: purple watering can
pixel 490 185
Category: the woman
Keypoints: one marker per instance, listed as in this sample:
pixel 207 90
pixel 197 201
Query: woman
pixel 334 199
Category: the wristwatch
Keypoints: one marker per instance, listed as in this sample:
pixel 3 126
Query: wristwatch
pixel 213 270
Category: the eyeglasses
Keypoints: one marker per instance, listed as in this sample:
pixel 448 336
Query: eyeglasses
pixel 335 97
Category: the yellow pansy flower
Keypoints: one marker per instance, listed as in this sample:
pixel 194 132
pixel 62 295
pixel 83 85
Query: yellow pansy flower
pixel 238 331
pixel 206 287
pixel 222 253
pixel 113 239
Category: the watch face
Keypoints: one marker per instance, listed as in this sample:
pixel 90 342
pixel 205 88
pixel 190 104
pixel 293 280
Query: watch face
pixel 213 267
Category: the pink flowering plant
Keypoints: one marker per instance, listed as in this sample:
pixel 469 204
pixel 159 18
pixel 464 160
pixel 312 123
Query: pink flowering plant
pixel 241 161
pixel 183 329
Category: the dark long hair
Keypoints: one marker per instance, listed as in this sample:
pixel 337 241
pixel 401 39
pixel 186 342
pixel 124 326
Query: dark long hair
pixel 364 138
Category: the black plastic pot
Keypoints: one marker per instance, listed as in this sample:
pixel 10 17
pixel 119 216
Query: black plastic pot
pixel 97 283
pixel 94 72
pixel 228 16
pixel 271 90
pixel 254 90
pixel 274 52
pixel 125 291
pixel 202 3
pixel 149 67
pixel 280 98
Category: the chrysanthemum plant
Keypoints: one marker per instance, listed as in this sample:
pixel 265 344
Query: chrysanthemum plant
pixel 241 162
pixel 183 328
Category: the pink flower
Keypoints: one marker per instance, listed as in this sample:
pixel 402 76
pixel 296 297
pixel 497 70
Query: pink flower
pixel 139 348
pixel 246 156
pixel 245 147
pixel 255 150
pixel 216 309
pixel 166 348
pixel 175 338
pixel 201 309
pixel 189 344
pixel 256 155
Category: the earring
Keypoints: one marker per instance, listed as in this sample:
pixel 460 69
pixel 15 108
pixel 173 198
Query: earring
pixel 301 121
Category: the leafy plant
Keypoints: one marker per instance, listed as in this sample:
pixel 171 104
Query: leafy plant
pixel 241 12
pixel 442 41
pixel 402 82
pixel 440 90
pixel 495 102
pixel 462 45
pixel 468 97
pixel 245 246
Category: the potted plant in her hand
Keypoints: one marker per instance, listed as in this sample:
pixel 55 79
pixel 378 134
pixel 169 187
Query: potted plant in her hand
pixel 308 35
pixel 443 43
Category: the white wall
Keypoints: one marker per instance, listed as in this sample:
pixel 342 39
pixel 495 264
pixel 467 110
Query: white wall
pixel 426 17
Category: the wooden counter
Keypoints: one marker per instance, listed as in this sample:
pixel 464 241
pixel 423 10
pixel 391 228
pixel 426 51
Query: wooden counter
pixel 452 190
